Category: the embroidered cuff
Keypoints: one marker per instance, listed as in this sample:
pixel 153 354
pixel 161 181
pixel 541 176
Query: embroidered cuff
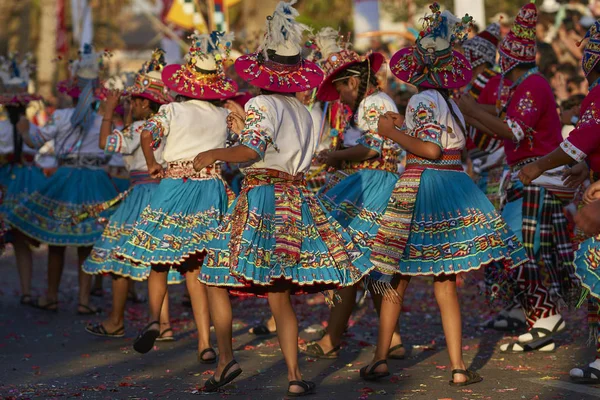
pixel 516 129
pixel 257 141
pixel 429 133
pixel 157 130
pixel 35 134
pixel 573 151
pixel 371 141
pixel 114 143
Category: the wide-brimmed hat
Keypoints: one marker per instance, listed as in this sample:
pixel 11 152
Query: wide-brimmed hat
pixel 519 45
pixel 148 82
pixel 483 47
pixel 15 76
pixel 278 65
pixel 432 62
pixel 203 75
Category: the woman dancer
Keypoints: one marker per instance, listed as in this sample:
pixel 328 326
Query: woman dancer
pixel 276 240
pixel 438 222
pixel 171 230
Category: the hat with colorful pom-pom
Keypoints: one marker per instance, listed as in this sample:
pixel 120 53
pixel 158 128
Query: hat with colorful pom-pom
pixel 519 45
pixel 203 75
pixel 278 65
pixel 432 62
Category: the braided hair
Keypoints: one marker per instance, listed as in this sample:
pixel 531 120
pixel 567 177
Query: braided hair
pixel 446 95
pixel 366 77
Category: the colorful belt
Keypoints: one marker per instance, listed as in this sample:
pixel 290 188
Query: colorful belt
pixel 451 161
pixel 185 169
pixel 141 177
pixel 82 161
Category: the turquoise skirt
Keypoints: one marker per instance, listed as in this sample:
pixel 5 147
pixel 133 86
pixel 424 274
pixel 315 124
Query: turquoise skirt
pixel 103 259
pixel 358 203
pixel 121 184
pixel 52 214
pixel 281 233
pixel 19 181
pixel 587 261
pixel 173 226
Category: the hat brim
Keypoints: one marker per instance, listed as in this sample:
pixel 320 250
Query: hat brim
pixel 285 79
pixel 327 91
pixel 220 89
pixel 458 77
pixel 152 97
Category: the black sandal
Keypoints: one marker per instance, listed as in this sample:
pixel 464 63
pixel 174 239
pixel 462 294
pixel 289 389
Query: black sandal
pixel 396 357
pixel 50 307
pixel 535 332
pixel 212 385
pixel 100 330
pixel 145 340
pixel 315 350
pixel 163 338
pixel 371 375
pixel 530 346
pixel 472 377
pixel 211 360
pixel 308 386
pixel 261 330
pixel 88 310
pixel 26 300
pixel 587 376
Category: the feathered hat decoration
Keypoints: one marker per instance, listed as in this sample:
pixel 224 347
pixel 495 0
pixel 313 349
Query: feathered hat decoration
pixel 14 73
pixel 148 82
pixel 283 33
pixel 324 43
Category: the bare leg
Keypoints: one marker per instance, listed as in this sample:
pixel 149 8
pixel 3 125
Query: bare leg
pixel 338 319
pixel 165 320
pixel 447 299
pixel 220 312
pixel 287 333
pixel 388 321
pixel 116 317
pixel 24 258
pixel 56 262
pixel 157 290
pixel 199 298
pixel 396 338
pixel 85 281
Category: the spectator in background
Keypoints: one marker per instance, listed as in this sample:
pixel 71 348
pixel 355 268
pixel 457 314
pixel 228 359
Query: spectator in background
pixel 577 85
pixel 547 59
pixel 569 113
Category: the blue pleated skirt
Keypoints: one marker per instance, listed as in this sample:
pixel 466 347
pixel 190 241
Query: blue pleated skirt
pixel 173 227
pixel 103 259
pixel 358 203
pixel 19 181
pixel 52 214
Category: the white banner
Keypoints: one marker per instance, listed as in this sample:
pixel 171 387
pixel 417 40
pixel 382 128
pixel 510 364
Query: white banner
pixel 366 16
pixel 83 26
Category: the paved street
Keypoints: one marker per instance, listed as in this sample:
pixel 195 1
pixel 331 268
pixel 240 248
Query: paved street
pixel 45 355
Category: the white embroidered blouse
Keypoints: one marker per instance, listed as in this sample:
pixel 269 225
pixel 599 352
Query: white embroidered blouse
pixel 128 143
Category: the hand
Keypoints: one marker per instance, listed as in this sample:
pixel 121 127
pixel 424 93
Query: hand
pixel 23 125
pixel 235 123
pixel 325 157
pixel 155 170
pixel 204 159
pixel 529 173
pixel 467 104
pixel 592 193
pixel 234 107
pixel 387 123
pixel 588 219
pixel 575 176
pixel 112 99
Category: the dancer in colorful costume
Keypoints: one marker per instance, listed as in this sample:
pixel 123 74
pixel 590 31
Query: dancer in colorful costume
pixel 438 223
pixel 535 212
pixel 147 94
pixel 370 165
pixel 583 144
pixel 52 214
pixel 276 239
pixel 18 173
pixel 171 231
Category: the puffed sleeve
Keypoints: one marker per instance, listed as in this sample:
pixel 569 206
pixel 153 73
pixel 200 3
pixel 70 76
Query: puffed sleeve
pixel 124 141
pixel 421 119
pixel 585 138
pixel 59 120
pixel 368 113
pixel 159 124
pixel 259 128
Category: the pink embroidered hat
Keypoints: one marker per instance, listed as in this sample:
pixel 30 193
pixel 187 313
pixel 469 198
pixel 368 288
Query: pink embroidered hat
pixel 148 82
pixel 278 65
pixel 432 62
pixel 519 45
pixel 591 52
pixel 483 47
pixel 203 75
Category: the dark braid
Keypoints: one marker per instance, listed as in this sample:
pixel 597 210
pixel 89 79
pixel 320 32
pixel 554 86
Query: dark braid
pixel 366 77
pixel 446 95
